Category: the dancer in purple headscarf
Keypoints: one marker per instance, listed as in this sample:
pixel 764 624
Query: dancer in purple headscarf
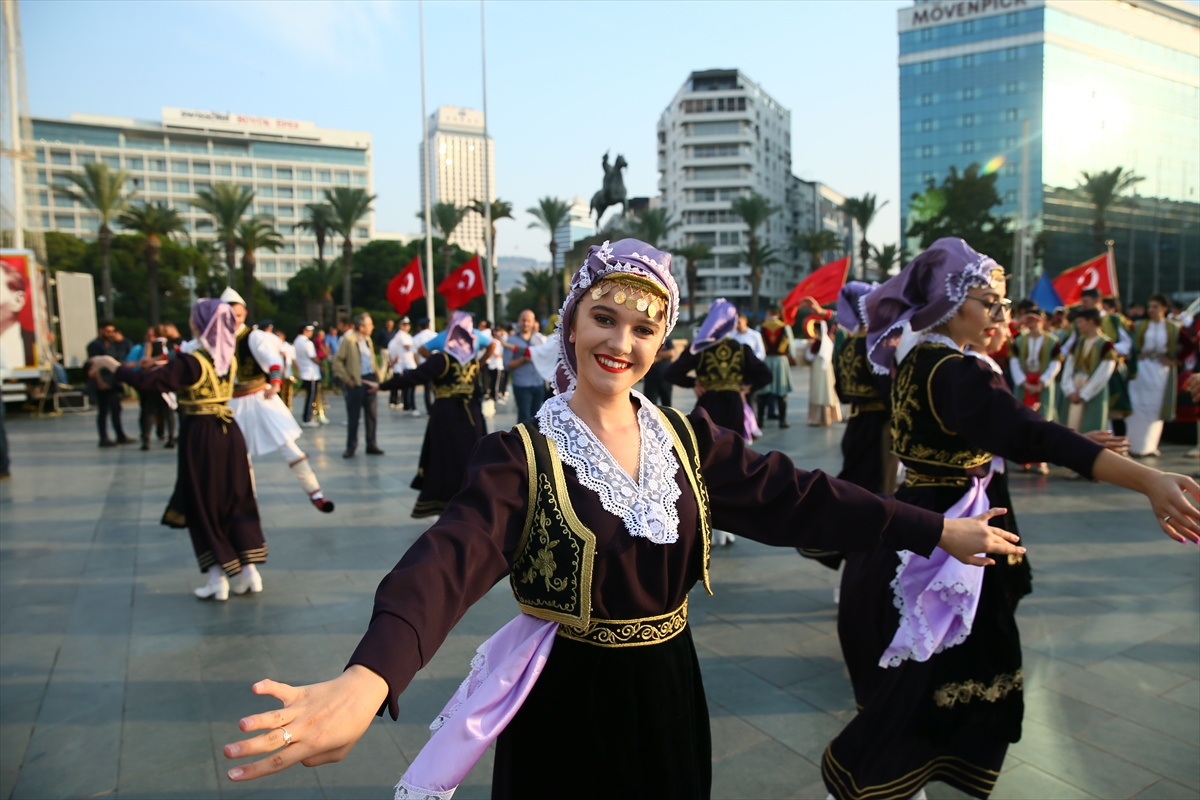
pixel 939 685
pixel 597 510
pixel 214 493
pixel 456 422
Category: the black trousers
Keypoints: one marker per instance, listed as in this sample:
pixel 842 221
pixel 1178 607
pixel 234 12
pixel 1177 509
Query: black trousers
pixel 155 412
pixel 311 398
pixel 657 392
pixel 108 404
pixel 359 399
pixel 429 398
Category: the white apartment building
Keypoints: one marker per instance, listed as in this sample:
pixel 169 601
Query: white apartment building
pixel 288 163
pixel 724 137
pixel 456 145
pixel 578 226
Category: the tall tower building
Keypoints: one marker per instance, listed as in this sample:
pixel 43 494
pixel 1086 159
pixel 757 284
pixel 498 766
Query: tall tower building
pixel 1101 85
pixel 456 145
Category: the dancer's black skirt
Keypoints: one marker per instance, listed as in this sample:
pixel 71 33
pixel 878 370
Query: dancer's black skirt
pixel 726 408
pixel 950 718
pixel 455 427
pixel 862 450
pixel 607 722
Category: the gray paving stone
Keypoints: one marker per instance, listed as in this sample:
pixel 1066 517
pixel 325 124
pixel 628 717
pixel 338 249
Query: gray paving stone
pixel 764 771
pixel 1027 782
pixel 1167 790
pixel 1078 763
pixel 1155 751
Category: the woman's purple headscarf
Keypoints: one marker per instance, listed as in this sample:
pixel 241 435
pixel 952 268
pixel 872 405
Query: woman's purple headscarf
pixel 605 261
pixel 850 313
pixel 721 319
pixel 218 331
pixel 460 337
pixel 927 292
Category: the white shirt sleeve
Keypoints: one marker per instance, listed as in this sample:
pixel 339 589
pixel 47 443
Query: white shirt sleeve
pixel 1051 372
pixel 1098 380
pixel 1124 343
pixel 1068 371
pixel 1018 374
pixel 265 349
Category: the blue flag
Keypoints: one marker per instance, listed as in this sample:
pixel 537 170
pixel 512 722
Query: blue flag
pixel 1044 295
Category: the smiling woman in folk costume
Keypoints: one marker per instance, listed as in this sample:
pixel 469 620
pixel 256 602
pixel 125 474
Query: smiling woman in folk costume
pixel 266 422
pixel 598 512
pixel 1153 376
pixel 456 422
pixel 214 493
pixel 932 645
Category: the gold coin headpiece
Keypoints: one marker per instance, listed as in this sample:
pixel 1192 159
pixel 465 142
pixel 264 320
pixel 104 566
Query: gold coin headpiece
pixel 634 292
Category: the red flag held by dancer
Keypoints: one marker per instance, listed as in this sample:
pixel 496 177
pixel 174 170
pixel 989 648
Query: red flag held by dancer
pixel 1095 274
pixel 823 286
pixel 406 287
pixel 463 284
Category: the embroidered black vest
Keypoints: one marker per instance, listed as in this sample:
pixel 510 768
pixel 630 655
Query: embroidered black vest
pixel 551 574
pixel 210 394
pixel 250 375
pixel 918 435
pixel 720 366
pixel 456 380
pixel 854 380
pixel 775 339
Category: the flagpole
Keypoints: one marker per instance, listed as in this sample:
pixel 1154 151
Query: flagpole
pixel 426 166
pixel 489 278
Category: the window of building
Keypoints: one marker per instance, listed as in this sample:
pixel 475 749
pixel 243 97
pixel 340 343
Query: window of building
pixel 286 211
pixel 968 147
pixel 324 176
pixel 1010 115
pixel 304 193
pixel 84 158
pixel 266 191
pixel 64 221
pixel 715 150
pixel 62 157
pixel 179 166
pixel 283 173
pixel 1010 196
pixel 361 233
pixel 288 247
pixel 40 157
pixel 968 60
pixel 1010 54
pixel 45 220
pixel 304 174
pixel 927 99
pixel 925 67
pixel 113 161
pixel 1010 169
pixel 702 238
pixel 41 177
pixel 341 178
pixel 246 186
pixel 224 170
pixel 266 208
pixel 969 93
pixel 182 187
pixel 926 151
pixel 1011 19
pixel 730 237
pixel 63 201
pixel 926 177
pixel 134 184
pixel 968 120
pixel 201 167
pixel 266 265
pixel 308 249
pixel 134 162
pixel 182 206
pixel 926 125
pixel 287 266
pixel 265 171
pixel 245 171
pixel 89 223
pixel 359 178
pixel 204 225
pixel 704 195
pixel 201 186
pixel 286 230
pixel 43 198
pixel 1010 87
pixel 156 164
pixel 968 26
pixel 927 35
pixel 284 191
pixel 157 185
pixel 1010 142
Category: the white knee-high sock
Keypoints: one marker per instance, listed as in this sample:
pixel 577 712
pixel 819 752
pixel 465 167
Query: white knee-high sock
pixel 297 461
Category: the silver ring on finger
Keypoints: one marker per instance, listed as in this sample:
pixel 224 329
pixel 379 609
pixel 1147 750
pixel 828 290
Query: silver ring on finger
pixel 287 737
pixel 1167 518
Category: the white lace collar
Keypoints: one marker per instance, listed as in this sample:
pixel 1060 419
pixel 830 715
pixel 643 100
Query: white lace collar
pixel 649 506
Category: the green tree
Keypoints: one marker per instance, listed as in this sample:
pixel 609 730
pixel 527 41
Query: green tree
pixel 863 210
pixel 155 222
pixel 446 219
pixel 1102 189
pixel 257 233
pixel 754 210
pixel 321 277
pixel 651 225
pixel 318 220
pixel 817 244
pixel 886 258
pixel 758 260
pixel 103 191
pixel 692 254
pixel 226 203
pixel 533 293
pixel 501 209
pixel 962 206
pixel 349 207
pixel 549 214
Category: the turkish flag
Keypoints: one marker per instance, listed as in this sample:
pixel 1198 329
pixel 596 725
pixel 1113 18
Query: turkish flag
pixel 1095 274
pixel 406 287
pixel 462 284
pixel 823 286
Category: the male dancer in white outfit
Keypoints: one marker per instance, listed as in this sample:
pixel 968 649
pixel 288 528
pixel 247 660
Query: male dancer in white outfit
pixel 264 420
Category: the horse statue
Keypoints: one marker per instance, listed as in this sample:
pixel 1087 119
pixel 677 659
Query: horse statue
pixel 614 187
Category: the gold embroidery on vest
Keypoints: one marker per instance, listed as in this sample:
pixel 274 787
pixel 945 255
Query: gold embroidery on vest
pixel 854 373
pixel 691 468
pixel 457 380
pixel 912 402
pixel 720 367
pixel 629 632
pixel 210 393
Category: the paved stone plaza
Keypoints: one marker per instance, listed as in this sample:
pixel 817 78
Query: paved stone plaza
pixel 116 681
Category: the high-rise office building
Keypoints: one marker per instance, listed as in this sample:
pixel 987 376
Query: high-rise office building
pixel 456 148
pixel 578 226
pixel 1100 84
pixel 287 163
pixel 723 137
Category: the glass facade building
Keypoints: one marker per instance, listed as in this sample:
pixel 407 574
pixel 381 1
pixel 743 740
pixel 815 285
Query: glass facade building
pixel 1101 85
pixel 286 163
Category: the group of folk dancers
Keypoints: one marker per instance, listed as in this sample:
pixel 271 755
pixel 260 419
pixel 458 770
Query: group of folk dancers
pixel 599 511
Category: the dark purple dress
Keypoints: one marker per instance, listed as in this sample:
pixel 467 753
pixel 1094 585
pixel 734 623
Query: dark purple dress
pixel 722 370
pixel 638 713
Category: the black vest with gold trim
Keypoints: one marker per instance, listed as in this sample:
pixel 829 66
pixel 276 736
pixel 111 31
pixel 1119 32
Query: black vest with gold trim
pixel 551 574
pixel 854 380
pixel 456 380
pixel 775 338
pixel 250 375
pixel 918 435
pixel 720 366
pixel 211 393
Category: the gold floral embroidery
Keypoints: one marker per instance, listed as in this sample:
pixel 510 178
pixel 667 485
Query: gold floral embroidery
pixel 457 381
pixel 629 632
pixel 211 393
pixel 720 366
pixel 918 434
pixel 543 563
pixel 951 694
pixel 853 371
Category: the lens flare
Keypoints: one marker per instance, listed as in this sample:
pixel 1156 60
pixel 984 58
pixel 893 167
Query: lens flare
pixel 993 165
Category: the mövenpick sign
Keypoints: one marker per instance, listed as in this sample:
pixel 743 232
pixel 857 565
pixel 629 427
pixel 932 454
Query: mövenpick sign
pixel 200 118
pixel 923 15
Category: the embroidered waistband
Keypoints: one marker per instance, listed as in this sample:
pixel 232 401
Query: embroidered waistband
pixel 629 632
pixel 256 385
pixel 219 410
pixel 912 478
pixel 721 386
pixel 859 408
pixel 465 392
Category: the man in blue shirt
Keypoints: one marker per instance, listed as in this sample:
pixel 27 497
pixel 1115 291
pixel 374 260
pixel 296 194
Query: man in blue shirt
pixel 527 385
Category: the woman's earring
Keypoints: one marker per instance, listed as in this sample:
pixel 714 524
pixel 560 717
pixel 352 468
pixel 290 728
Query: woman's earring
pixel 571 338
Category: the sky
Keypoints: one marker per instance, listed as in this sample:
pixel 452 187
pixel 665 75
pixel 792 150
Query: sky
pixel 567 81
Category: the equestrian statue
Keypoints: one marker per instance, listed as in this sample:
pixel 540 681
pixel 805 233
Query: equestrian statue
pixel 614 188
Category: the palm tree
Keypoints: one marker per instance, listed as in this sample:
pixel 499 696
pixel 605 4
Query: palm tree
pixel 226 203
pixel 863 210
pixel 314 283
pixel 886 258
pixel 1102 189
pixel 816 244
pixel 153 221
pixel 349 206
pixel 257 233
pixel 652 225
pixel 758 260
pixel 754 209
pixel 446 219
pixel 101 190
pixel 549 214
pixel 318 220
pixel 691 254
pixel 501 209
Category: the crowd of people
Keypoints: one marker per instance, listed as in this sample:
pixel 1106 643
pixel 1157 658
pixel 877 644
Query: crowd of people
pixel 602 505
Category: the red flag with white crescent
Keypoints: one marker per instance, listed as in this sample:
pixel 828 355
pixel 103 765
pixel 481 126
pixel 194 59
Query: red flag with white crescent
pixel 463 284
pixel 406 287
pixel 1095 274
pixel 822 285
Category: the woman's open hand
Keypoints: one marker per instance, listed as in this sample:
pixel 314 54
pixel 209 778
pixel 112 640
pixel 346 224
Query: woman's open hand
pixel 966 538
pixel 1177 516
pixel 325 721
